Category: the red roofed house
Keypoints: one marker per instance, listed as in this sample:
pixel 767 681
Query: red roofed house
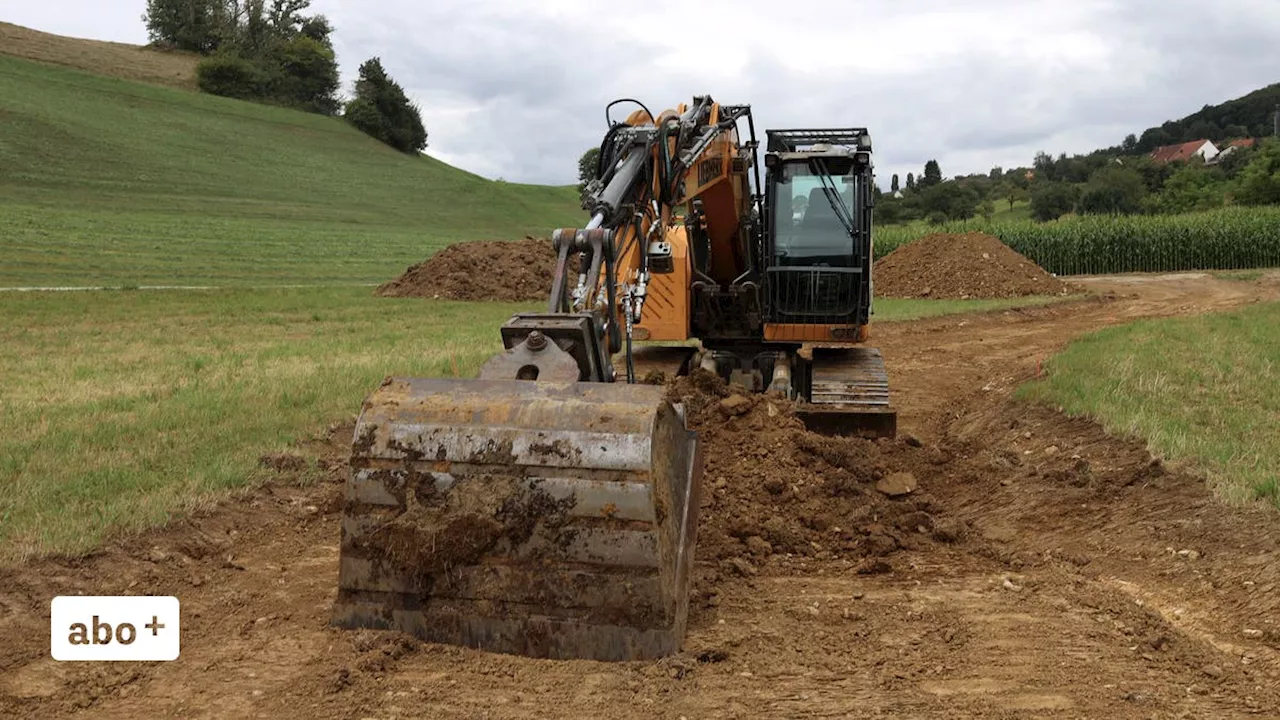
pixel 1184 152
pixel 1234 145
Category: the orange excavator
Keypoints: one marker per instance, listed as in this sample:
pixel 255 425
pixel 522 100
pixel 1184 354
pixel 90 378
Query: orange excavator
pixel 549 507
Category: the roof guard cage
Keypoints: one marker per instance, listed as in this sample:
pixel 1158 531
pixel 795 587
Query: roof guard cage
pixel 793 140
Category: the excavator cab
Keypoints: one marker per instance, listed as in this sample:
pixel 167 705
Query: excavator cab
pixel 818 236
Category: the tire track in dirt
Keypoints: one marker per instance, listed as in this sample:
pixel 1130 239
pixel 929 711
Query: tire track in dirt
pixel 1068 598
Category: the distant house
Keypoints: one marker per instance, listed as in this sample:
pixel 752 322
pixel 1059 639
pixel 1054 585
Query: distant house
pixel 1202 149
pixel 1234 145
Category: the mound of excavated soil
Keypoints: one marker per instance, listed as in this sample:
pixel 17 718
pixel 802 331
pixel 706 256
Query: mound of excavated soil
pixel 497 270
pixel 772 489
pixel 972 265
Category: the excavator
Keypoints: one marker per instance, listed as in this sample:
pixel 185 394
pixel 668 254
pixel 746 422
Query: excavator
pixel 549 506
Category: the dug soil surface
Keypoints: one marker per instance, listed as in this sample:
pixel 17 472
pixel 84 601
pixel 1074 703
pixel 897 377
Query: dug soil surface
pixel 995 561
pixel 971 265
pixel 483 270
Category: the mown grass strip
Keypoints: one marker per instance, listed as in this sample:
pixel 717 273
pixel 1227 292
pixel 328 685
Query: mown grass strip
pixel 1201 389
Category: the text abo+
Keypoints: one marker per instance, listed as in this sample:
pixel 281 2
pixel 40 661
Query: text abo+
pixel 95 628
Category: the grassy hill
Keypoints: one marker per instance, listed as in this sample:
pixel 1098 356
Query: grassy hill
pixel 131 62
pixel 106 181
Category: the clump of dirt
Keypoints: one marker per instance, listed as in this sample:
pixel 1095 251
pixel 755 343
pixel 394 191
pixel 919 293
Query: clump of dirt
pixel 971 265
pixel 773 489
pixel 497 270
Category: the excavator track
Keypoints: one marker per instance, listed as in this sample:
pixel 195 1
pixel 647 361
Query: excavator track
pixel 549 519
pixel 849 393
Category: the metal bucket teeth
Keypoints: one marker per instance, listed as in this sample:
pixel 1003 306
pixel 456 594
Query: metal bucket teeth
pixel 543 519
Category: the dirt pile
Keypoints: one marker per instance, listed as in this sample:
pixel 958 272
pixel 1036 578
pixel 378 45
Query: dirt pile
pixel 972 265
pixel 773 490
pixel 494 270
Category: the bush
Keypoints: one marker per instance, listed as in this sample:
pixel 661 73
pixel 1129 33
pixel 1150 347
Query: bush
pixel 229 75
pixel 1113 191
pixel 307 77
pixel 1052 200
pixel 1260 180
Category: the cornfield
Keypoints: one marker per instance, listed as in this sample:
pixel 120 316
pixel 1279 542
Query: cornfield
pixel 1233 238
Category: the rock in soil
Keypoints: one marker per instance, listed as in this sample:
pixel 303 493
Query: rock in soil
pixel 898 485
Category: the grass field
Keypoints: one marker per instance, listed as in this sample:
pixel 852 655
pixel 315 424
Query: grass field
pixel 1201 389
pixel 123 407
pixel 110 182
pixel 897 309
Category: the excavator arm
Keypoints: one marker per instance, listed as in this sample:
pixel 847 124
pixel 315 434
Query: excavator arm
pixel 649 169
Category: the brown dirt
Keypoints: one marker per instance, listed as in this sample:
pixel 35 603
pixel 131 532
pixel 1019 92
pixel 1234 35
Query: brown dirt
pixel 131 62
pixel 495 270
pixel 972 265
pixel 1066 573
pixel 431 536
pixel 790 494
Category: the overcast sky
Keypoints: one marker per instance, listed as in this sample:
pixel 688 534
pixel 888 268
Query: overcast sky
pixel 516 89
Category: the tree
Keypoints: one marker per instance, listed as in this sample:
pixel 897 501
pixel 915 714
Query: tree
pixel 1014 194
pixel 950 200
pixel 1113 190
pixel 308 75
pixel 1130 144
pixel 1206 129
pixel 932 174
pixel 996 174
pixel 191 25
pixel 1260 179
pixel 1043 165
pixel 1052 200
pixel 587 165
pixel 1153 138
pixel 893 183
pixel 1233 132
pixel 381 109
pixel 290 53
pixel 986 209
pixel 1190 188
pixel 911 181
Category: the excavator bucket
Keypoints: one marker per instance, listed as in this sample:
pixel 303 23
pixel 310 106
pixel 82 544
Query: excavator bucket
pixel 549 519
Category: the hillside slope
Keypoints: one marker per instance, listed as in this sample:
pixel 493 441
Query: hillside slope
pixel 1253 113
pixel 131 62
pixel 105 180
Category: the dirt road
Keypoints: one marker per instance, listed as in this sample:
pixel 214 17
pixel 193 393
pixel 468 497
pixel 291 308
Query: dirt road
pixel 1084 580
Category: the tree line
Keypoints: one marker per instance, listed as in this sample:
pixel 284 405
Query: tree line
pixel 1095 184
pixel 273 51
